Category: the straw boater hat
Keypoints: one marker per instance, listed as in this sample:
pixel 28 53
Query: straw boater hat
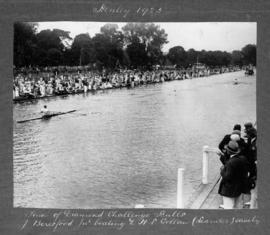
pixel 235 137
pixel 232 147
pixel 236 132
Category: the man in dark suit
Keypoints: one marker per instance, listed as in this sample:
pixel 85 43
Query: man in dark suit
pixel 251 155
pixel 235 136
pixel 227 138
pixel 234 176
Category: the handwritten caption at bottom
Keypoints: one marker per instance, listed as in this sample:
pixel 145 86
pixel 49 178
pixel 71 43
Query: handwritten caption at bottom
pixel 119 219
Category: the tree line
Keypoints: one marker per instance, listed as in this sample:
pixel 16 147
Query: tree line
pixel 136 45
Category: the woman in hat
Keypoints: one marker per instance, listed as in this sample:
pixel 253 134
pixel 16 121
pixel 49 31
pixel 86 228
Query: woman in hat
pixel 234 176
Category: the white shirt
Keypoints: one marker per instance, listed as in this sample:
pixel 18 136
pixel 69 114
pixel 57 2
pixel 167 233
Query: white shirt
pixel 44 110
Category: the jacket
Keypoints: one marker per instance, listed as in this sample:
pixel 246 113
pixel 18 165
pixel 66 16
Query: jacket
pixel 234 177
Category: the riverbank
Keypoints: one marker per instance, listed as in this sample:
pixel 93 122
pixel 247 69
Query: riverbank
pixel 29 91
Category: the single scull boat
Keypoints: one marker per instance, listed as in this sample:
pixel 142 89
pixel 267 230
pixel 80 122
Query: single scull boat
pixel 47 116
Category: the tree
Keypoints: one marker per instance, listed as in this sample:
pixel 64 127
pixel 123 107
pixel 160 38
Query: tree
pixel 115 43
pixel 138 45
pixel 226 58
pixel 149 35
pixel 46 41
pixel 24 43
pixel 249 54
pixel 54 57
pixel 192 57
pixel 108 46
pixel 101 47
pixel 115 36
pixel 137 54
pixel 214 58
pixel 82 50
pixel 177 55
pixel 237 58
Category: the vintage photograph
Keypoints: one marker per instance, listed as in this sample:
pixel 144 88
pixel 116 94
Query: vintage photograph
pixel 134 115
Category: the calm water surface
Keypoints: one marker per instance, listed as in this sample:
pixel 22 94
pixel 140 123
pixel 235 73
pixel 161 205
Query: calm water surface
pixel 123 147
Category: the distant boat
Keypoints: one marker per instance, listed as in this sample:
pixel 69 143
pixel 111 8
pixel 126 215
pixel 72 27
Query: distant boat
pixel 47 116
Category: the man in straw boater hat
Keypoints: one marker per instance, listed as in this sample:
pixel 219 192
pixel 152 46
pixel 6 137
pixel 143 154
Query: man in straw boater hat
pixel 235 136
pixel 234 175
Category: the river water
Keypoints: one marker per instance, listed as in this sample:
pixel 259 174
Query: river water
pixel 123 147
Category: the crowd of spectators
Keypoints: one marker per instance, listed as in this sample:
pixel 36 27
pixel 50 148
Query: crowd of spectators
pixel 239 168
pixel 32 83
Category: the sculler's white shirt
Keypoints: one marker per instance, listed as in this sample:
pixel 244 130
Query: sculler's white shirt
pixel 44 110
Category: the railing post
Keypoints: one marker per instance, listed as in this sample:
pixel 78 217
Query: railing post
pixel 180 188
pixel 205 165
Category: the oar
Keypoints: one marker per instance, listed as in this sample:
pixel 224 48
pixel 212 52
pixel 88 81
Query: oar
pixel 85 114
pixel 28 120
pixel 77 114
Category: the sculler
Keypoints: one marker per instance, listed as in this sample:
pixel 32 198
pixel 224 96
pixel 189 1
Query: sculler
pixel 46 113
pixel 45 110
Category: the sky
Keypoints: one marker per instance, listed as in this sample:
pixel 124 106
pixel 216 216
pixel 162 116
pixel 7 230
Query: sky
pixel 209 36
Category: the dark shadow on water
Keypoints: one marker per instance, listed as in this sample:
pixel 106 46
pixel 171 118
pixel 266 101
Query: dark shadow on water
pixel 45 119
pixel 63 97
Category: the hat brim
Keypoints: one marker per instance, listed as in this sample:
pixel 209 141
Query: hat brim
pixel 237 132
pixel 231 151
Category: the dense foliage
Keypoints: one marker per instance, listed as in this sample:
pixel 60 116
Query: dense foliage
pixel 136 45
